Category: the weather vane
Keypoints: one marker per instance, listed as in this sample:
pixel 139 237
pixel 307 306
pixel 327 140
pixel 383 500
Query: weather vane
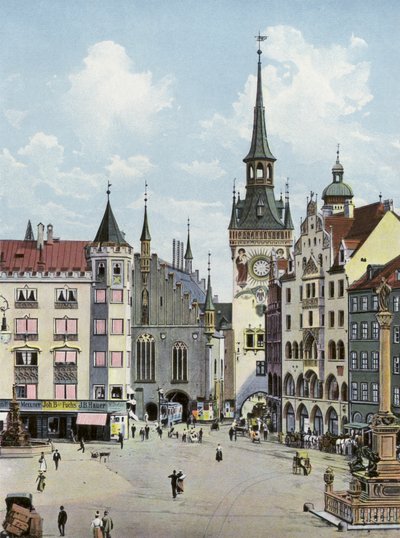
pixel 108 189
pixel 260 38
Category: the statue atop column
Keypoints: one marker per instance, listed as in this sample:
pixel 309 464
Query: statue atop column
pixel 383 292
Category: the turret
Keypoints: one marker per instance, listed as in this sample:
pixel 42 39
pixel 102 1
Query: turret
pixel 337 194
pixel 209 309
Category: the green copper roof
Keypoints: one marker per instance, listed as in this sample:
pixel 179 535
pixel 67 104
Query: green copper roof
pixel 338 189
pixel 145 230
pixel 209 305
pixel 248 215
pixel 259 148
pixel 109 231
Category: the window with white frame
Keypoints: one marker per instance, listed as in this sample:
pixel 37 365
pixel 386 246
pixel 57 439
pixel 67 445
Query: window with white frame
pixel 180 362
pixel 396 303
pixel 353 360
pixel 99 326
pixel 364 302
pixel 375 392
pixel 364 391
pixel 396 365
pixel 116 359
pixel 375 360
pixel 354 391
pixel 354 330
pixel 66 295
pixel 28 391
pixel 65 356
pixel 117 326
pixel 364 330
pixel 65 391
pixel 364 360
pixel 26 294
pixel 396 334
pixel 374 302
pixel 26 357
pixel 260 368
pixel 396 395
pixel 99 359
pixel 65 326
pixel 354 304
pixel 375 330
pixel 99 392
pixel 100 296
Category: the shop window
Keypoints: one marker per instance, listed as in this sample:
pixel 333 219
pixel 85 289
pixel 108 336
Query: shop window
pixel 26 358
pixel 53 425
pixel 116 392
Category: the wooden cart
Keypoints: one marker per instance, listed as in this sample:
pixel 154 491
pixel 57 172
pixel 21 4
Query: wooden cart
pixel 301 463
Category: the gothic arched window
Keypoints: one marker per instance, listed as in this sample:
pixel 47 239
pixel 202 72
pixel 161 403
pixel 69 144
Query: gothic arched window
pixel 180 362
pixel 145 358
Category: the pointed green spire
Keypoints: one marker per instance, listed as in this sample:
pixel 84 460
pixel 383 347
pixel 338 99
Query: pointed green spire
pixel 188 253
pixel 209 305
pixel 145 230
pixel 259 148
pixel 288 216
pixel 29 232
pixel 233 222
pixel 109 231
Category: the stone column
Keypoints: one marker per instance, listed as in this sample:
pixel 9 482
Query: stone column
pixel 385 322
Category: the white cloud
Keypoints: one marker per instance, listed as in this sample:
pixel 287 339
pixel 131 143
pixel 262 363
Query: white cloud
pixel 44 152
pixel 15 117
pixel 107 95
pixel 132 168
pixel 356 42
pixel 202 169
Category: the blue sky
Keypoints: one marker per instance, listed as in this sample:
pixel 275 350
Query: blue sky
pixel 163 92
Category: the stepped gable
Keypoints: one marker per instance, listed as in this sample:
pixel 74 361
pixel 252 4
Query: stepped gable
pixel 24 256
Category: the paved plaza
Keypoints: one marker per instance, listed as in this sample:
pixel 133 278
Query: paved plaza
pixel 251 493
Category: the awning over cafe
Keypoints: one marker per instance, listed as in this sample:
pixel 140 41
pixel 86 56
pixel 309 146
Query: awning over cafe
pixel 91 419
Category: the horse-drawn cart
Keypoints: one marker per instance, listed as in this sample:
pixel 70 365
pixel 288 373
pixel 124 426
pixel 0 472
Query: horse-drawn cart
pixel 301 463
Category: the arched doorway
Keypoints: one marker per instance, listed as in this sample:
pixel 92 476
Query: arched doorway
pixel 303 417
pixel 290 419
pixel 318 422
pixel 182 398
pixel 152 411
pixel 332 420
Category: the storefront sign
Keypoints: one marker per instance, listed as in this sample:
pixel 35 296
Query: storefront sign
pixel 87 406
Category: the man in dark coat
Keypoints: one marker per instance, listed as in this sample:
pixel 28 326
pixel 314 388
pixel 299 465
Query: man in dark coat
pixel 56 458
pixel 133 431
pixel 121 439
pixel 62 519
pixel 147 431
pixel 174 478
pixel 108 525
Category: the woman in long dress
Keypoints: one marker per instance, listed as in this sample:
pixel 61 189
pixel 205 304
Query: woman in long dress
pixel 179 483
pixel 42 463
pixel 218 455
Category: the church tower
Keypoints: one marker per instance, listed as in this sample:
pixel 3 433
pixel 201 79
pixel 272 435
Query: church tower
pixel 259 224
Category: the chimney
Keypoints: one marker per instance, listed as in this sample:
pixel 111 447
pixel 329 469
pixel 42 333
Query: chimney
pixel 349 209
pixel 49 234
pixel 387 205
pixel 40 236
pixel 173 252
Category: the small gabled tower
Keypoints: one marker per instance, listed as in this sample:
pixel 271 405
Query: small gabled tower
pixel 188 253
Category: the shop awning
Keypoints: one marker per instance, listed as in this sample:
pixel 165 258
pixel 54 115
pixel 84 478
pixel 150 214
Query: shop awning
pixel 91 419
pixel 356 426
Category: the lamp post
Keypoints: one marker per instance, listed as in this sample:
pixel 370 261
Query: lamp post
pixel 160 392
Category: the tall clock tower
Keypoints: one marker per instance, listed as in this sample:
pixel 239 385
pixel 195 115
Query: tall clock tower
pixel 259 225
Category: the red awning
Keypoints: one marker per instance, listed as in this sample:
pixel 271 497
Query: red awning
pixel 91 419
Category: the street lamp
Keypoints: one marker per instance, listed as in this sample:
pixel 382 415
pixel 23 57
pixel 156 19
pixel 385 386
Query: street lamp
pixel 160 392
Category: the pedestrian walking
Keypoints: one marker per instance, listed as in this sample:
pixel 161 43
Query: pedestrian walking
pixel 231 431
pixel 159 431
pixel 42 463
pixel 201 435
pixel 62 520
pixel 82 445
pixel 146 417
pixel 41 480
pixel 108 524
pixel 121 439
pixel 56 458
pixel 133 431
pixel 266 432
pixel 72 435
pixel 218 455
pixel 235 433
pixel 174 479
pixel 184 436
pixel 179 482
pixel 97 526
pixel 147 431
pixel 142 434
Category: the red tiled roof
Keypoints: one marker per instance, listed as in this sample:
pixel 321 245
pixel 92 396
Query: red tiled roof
pixel 23 256
pixel 354 230
pixel 388 271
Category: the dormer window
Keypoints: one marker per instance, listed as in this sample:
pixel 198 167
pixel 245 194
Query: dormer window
pixel 260 208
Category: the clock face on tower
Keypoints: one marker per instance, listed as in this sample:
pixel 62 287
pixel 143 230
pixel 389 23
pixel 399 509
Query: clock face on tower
pixel 259 267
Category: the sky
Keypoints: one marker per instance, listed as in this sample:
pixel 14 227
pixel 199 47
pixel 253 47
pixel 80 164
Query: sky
pixel 128 92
